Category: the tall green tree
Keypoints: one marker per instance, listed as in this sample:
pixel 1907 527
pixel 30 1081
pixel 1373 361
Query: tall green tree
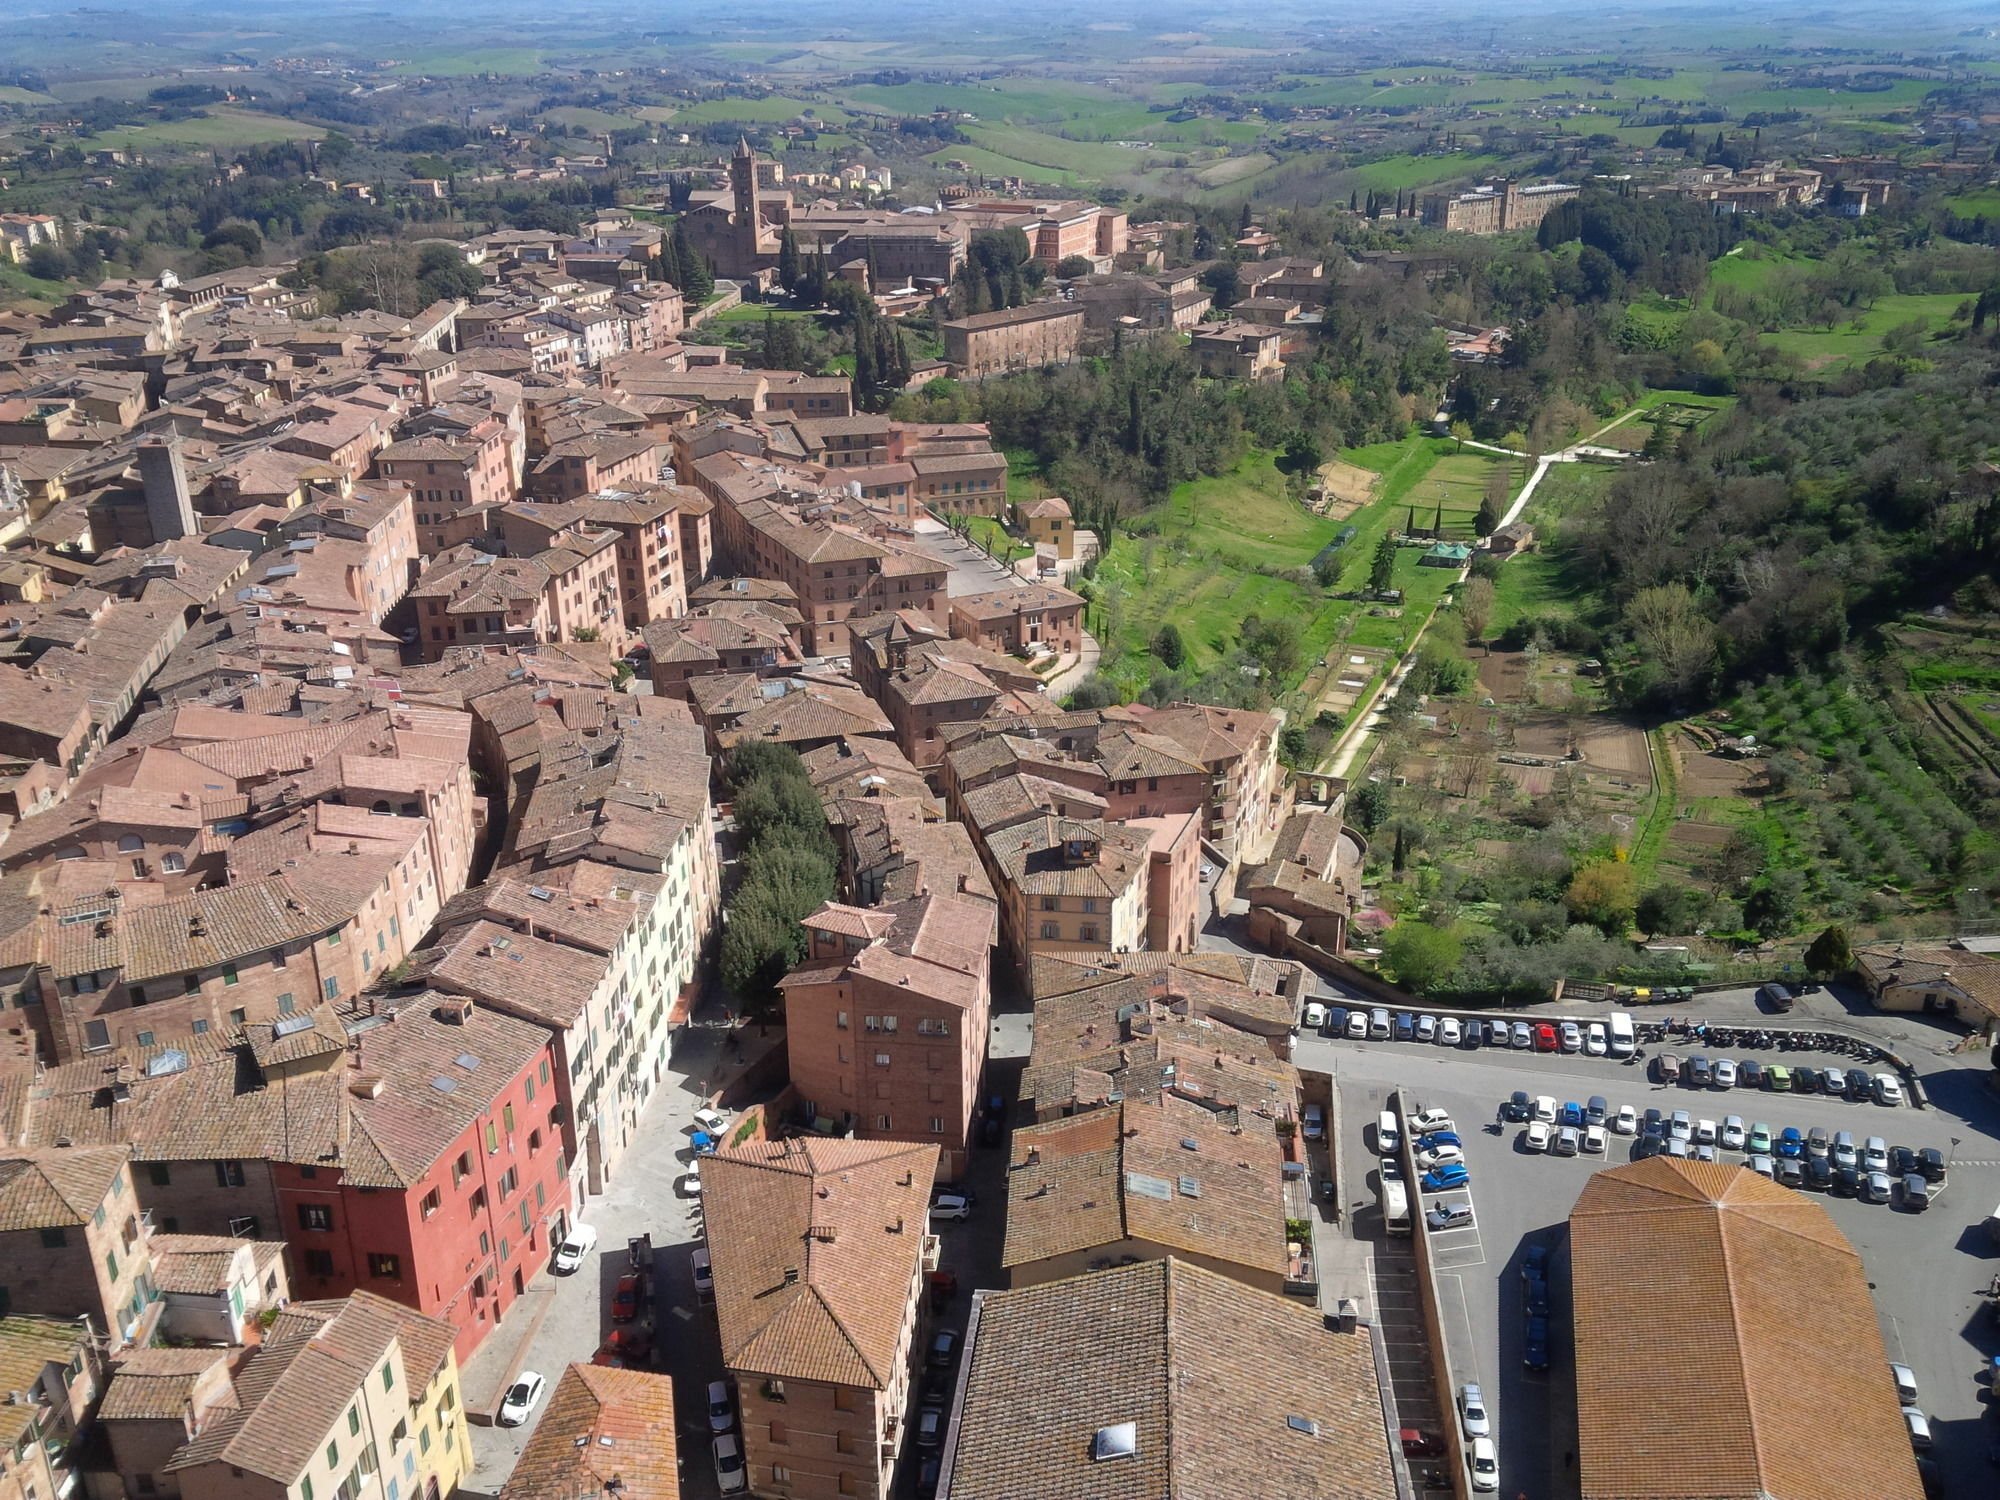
pixel 790 267
pixel 1382 571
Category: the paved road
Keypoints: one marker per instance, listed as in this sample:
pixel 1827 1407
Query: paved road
pixel 1927 1269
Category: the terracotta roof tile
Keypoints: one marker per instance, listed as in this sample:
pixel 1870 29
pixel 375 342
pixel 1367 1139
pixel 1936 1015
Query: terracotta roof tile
pixel 600 1425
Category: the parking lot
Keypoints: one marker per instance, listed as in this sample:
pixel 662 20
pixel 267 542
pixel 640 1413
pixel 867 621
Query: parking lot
pixel 1928 1269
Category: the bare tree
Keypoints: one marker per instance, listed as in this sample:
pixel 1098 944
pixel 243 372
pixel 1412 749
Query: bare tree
pixel 1673 631
pixel 1475 606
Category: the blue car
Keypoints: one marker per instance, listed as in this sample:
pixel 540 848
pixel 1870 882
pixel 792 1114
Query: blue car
pixel 1571 1114
pixel 1534 1262
pixel 1450 1175
pixel 1406 1026
pixel 1535 1351
pixel 1535 1297
pixel 1791 1142
pixel 1438 1138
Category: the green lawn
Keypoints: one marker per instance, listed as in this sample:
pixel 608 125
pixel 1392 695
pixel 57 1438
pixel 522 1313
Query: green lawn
pixel 1041 99
pixel 1398 172
pixel 221 127
pixel 590 119
pixel 1093 159
pixel 15 282
pixel 1984 203
pixel 992 164
pixel 779 109
pixel 757 312
pixel 448 62
pixel 1862 338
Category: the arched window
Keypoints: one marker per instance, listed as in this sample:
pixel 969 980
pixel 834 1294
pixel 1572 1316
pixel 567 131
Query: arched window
pixel 382 807
pixel 130 843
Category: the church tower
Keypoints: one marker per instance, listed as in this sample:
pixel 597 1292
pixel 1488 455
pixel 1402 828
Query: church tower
pixel 743 186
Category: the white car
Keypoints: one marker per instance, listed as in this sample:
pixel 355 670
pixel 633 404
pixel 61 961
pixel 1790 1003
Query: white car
pixel 1427 1028
pixel 579 1242
pixel 1906 1383
pixel 1537 1136
pixel 1888 1090
pixel 710 1122
pixel 1733 1133
pixel 1545 1108
pixel 1593 1140
pixel 1874 1154
pixel 1485 1460
pixel 520 1399
pixel 1450 1033
pixel 1626 1121
pixel 721 1410
pixel 730 1477
pixel 704 1274
pixel 1472 1411
pixel 1680 1126
pixel 1437 1156
pixel 1570 1036
pixel 1429 1122
pixel 1313 1017
pixel 1725 1073
pixel 1705 1133
pixel 1595 1042
pixel 948 1207
pixel 1357 1026
pixel 689 1185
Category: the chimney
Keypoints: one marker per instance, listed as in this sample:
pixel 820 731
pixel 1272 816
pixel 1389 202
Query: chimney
pixel 169 506
pixel 454 1011
pixel 367 1086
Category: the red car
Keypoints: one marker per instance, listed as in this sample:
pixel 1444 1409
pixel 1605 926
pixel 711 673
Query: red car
pixel 628 1346
pixel 1545 1038
pixel 625 1301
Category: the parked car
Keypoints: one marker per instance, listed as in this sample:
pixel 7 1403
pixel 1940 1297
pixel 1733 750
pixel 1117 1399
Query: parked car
pixel 1860 1085
pixel 1845 1152
pixel 944 1349
pixel 930 1427
pixel 1518 1106
pixel 1778 1078
pixel 1846 1182
pixel 1791 1142
pixel 1450 1175
pixel 1570 1114
pixel 1537 1136
pixel 1437 1156
pixel 730 1476
pixel 1485 1461
pixel 1595 1042
pixel 949 1208
pixel 1472 1410
pixel 1535 1347
pixel 1500 1034
pixel 1521 1036
pixel 1596 1110
pixel 1594 1141
pixel 1762 1165
pixel 1759 1140
pixel 704 1274
pixel 1700 1072
pixel 578 1243
pixel 1930 1162
pixel 1902 1161
pixel 1313 1017
pixel 1450 1033
pixel 1916 1192
pixel 1534 1263
pixel 1427 1028
pixel 1681 1126
pixel 1314 1123
pixel 1706 1133
pixel 1732 1132
pixel 721 1407
pixel 1669 1066
pixel 1378 1025
pixel 1424 1121
pixel 1888 1089
pixel 1545 1108
pixel 1336 1021
pixel 1704 1152
pixel 1475 1036
pixel 1406 1026
pixel 1653 1123
pixel 710 1121
pixel 1626 1121
pixel 629 1346
pixel 1570 1036
pixel 1876 1187
pixel 1568 1140
pixel 1833 1082
pixel 1805 1081
pixel 625 1298
pixel 1819 1173
pixel 1438 1138
pixel 1450 1216
pixel 1545 1037
pixel 1750 1074
pixel 1791 1173
pixel 1675 1146
pixel 1904 1378
pixel 1819 1141
pixel 1357 1026
pixel 521 1398
pixel 689 1185
pixel 1875 1154
pixel 1725 1072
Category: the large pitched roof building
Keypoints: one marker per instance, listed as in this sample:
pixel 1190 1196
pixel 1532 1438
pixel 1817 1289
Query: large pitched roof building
pixel 1753 1401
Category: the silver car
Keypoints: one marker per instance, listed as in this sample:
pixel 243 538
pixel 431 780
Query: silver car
pixel 1523 1038
pixel 1472 1409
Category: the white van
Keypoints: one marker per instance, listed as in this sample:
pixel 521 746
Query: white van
pixel 1396 1207
pixel 1623 1040
pixel 1315 1122
pixel 1388 1134
pixel 578 1243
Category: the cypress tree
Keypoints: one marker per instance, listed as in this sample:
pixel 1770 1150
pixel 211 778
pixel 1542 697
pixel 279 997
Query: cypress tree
pixel 788 260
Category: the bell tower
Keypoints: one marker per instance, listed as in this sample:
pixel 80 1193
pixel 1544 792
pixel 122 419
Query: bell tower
pixel 743 185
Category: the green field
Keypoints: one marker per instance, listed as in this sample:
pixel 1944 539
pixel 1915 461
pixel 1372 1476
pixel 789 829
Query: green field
pixel 11 95
pixel 448 62
pixel 221 127
pixel 1983 204
pixel 590 119
pixel 16 283
pixel 1018 99
pixel 1862 338
pixel 1397 172
pixel 779 109
pixel 1092 159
